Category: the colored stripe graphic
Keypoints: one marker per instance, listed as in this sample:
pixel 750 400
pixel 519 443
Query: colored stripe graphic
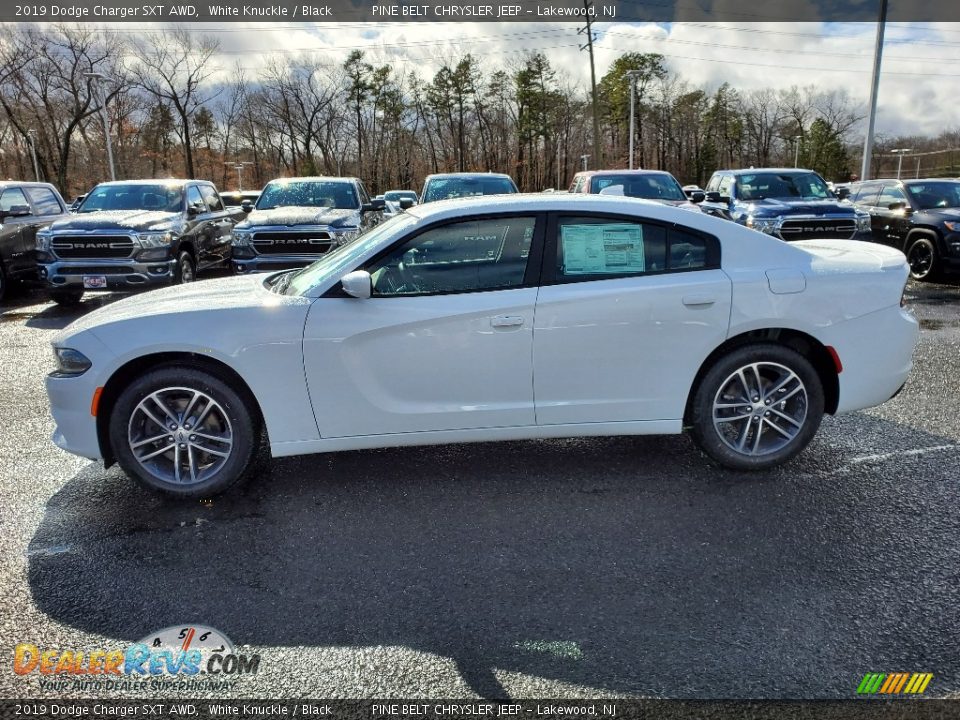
pixel 894 683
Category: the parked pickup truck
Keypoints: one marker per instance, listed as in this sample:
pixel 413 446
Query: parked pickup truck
pixel 788 203
pixel 296 220
pixel 132 234
pixel 25 207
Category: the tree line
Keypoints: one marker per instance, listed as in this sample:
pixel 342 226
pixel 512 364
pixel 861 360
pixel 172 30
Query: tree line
pixel 174 112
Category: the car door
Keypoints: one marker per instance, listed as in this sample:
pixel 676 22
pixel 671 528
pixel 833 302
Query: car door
pixel 627 312
pixel 445 341
pixel 198 220
pixel 219 225
pixel 890 222
pixel 17 250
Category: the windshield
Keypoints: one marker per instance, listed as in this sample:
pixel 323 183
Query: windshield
pixel 931 195
pixel 649 187
pixel 444 188
pixel 342 258
pixel 788 186
pixel 163 198
pixel 395 195
pixel 309 193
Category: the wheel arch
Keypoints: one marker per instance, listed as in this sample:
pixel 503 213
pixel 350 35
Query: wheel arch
pixel 921 230
pixel 804 343
pixel 124 374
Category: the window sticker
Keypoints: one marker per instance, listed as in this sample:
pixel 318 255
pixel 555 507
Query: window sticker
pixel 598 249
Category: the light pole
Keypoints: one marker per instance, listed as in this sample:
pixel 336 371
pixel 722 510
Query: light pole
pixel 900 152
pixel 584 158
pixel 797 139
pixel 632 76
pixel 238 166
pixel 874 90
pixel 97 79
pixel 32 137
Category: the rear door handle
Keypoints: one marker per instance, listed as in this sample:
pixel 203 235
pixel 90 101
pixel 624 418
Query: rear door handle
pixel 698 300
pixel 502 321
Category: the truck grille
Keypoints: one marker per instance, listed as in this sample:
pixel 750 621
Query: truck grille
pixel 817 229
pixel 101 246
pixel 292 243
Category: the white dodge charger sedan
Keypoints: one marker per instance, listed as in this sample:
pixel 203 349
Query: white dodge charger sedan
pixel 537 316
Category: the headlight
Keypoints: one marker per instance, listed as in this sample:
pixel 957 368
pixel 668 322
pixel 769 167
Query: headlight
pixel 863 221
pixel 764 225
pixel 953 226
pixel 155 239
pixel 44 238
pixel 241 238
pixel 70 363
pixel 344 235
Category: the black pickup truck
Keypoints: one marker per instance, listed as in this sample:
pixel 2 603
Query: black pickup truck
pixel 788 203
pixel 25 207
pixel 134 234
pixel 296 220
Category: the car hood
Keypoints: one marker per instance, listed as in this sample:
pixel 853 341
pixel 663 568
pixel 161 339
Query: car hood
pixel 206 296
pixel 294 215
pixel 942 213
pixel 115 219
pixel 778 206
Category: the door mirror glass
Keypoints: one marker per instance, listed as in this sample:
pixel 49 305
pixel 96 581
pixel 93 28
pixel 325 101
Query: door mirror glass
pixel 374 205
pixel 406 203
pixel 714 197
pixel 195 209
pixel 17 211
pixel 697 196
pixel 357 284
pixel 899 205
pixel 246 206
pixel 843 193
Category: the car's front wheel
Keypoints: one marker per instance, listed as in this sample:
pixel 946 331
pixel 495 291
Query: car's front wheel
pixel 757 407
pixel 922 258
pixel 183 431
pixel 186 269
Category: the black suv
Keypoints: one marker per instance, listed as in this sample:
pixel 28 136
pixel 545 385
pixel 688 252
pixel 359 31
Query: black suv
pixel 135 233
pixel 24 208
pixel 919 217
pixel 788 203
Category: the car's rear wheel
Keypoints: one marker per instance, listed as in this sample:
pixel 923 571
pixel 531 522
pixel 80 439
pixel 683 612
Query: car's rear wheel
pixel 3 283
pixel 923 259
pixel 183 431
pixel 66 298
pixel 186 270
pixel 757 407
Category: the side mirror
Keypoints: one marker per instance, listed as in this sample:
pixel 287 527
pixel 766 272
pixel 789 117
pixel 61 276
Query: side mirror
pixel 713 196
pixel 406 203
pixel 842 193
pixel 373 206
pixel 195 209
pixel 697 196
pixel 246 206
pixel 357 284
pixel 16 211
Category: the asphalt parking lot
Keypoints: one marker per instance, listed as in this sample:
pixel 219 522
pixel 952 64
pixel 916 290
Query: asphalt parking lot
pixel 579 568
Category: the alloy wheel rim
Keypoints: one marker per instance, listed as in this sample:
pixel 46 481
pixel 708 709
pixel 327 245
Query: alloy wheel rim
pixel 180 435
pixel 921 259
pixel 760 409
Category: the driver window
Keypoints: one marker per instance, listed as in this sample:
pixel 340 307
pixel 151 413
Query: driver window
pixel 726 186
pixel 11 198
pixel 461 257
pixel 194 197
pixel 891 194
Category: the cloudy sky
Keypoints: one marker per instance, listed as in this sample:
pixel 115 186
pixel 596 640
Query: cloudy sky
pixel 921 66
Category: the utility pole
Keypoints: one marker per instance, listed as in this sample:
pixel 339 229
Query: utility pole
pixel 32 137
pixel 797 139
pixel 632 76
pixel 97 80
pixel 584 159
pixel 874 89
pixel 238 166
pixel 588 5
pixel 900 152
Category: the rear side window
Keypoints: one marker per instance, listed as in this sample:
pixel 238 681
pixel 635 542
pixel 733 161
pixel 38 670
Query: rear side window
pixel 44 200
pixel 866 195
pixel 590 248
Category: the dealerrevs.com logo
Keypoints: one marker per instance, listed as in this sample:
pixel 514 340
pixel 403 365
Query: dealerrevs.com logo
pixel 170 656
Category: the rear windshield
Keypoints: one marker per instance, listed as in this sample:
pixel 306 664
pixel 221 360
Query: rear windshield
pixel 649 187
pixel 164 198
pixel 455 187
pixel 309 193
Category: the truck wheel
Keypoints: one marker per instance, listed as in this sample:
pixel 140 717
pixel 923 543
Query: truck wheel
pixel 66 298
pixel 923 259
pixel 3 283
pixel 186 269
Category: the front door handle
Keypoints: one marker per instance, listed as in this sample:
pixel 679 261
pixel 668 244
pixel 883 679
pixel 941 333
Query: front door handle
pixel 698 300
pixel 503 321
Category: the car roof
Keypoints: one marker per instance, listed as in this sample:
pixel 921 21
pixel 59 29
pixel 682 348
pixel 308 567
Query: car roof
pixel 623 172
pixel 314 178
pixel 750 171
pixel 468 175
pixel 22 183
pixel 154 181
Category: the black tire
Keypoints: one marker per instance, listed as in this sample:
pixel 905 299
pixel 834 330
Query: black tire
pixel 4 283
pixel 66 298
pixel 231 416
pixel 923 258
pixel 741 414
pixel 186 268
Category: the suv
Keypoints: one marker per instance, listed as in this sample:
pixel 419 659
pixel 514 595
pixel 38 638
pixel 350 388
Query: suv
pixel 919 217
pixel 25 207
pixel 135 233
pixel 445 186
pixel 296 220
pixel 656 185
pixel 788 203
